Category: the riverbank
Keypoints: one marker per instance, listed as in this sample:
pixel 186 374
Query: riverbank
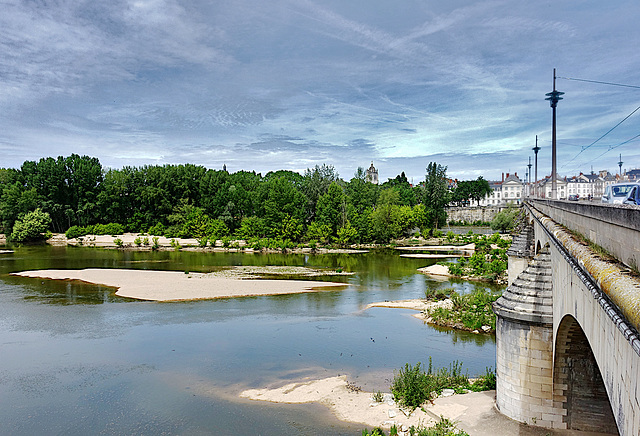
pixel 180 286
pixel 127 241
pixel 474 412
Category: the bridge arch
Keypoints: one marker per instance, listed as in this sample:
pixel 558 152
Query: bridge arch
pixel 578 381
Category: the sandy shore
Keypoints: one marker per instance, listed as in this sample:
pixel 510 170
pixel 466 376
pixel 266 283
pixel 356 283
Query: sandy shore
pixel 436 270
pixel 431 256
pixel 468 247
pixel 184 244
pixel 174 286
pixel 357 406
pixel 420 305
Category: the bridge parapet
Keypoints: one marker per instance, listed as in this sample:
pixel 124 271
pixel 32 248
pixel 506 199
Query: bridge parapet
pixel 617 284
pixel 616 228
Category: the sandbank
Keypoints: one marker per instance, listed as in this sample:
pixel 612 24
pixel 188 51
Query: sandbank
pixel 415 304
pixel 356 406
pixel 436 270
pixel 468 247
pixel 128 242
pixel 176 286
pixel 6 251
pixel 431 256
pixel 421 305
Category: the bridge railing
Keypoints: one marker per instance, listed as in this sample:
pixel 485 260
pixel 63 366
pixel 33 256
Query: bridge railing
pixel 615 228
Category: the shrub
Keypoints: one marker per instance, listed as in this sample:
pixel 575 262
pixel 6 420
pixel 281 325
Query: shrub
pixel 157 230
pixel 32 226
pixel 118 242
pixel 145 241
pixel 138 241
pixel 410 386
pixel 155 245
pixel 75 232
pixel 504 220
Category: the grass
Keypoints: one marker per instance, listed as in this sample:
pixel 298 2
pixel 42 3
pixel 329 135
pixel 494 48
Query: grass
pixel 444 427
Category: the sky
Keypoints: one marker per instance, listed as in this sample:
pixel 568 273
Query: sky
pixel 290 84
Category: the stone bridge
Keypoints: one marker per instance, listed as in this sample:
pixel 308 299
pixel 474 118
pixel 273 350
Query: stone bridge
pixel 567 343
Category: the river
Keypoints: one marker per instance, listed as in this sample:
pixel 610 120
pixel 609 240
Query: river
pixel 77 360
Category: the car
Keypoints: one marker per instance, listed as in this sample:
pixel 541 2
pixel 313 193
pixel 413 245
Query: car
pixel 574 197
pixel 633 197
pixel 617 193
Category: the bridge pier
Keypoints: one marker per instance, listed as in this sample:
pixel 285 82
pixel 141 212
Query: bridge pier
pixel 524 348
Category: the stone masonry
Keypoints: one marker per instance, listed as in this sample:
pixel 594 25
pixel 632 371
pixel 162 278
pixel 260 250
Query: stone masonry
pixel 524 348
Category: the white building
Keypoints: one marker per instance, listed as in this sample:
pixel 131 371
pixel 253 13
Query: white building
pixel 509 191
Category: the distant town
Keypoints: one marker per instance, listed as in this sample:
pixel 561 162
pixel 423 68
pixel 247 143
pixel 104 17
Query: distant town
pixel 511 189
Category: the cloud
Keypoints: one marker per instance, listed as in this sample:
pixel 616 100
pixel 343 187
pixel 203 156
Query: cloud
pixel 291 84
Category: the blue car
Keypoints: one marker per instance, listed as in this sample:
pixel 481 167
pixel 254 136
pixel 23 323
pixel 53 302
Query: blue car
pixel 633 197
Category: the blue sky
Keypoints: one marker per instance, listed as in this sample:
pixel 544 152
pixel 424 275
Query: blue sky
pixel 290 84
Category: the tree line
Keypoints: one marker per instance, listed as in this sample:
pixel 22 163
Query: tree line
pixel 76 192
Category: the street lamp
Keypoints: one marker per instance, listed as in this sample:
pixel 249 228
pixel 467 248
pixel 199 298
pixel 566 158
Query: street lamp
pixel 536 149
pixel 554 98
pixel 529 176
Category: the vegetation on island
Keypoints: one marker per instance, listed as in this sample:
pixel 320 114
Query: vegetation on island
pixel 489 260
pixel 81 197
pixel 470 311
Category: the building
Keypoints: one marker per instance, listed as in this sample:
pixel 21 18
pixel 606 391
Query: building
pixel 372 174
pixel 545 185
pixel 508 191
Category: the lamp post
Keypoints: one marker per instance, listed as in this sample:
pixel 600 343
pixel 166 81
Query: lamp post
pixel 536 149
pixel 554 98
pixel 529 177
pixel 620 166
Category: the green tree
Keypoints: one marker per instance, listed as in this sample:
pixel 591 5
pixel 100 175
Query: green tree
pixel 31 227
pixel 331 208
pixel 436 195
pixel 280 202
pixel 481 189
pixel 316 183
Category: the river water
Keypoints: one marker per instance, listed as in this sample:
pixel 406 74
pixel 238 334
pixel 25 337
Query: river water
pixel 77 360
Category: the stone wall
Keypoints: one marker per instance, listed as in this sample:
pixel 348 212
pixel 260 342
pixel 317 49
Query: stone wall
pixel 472 214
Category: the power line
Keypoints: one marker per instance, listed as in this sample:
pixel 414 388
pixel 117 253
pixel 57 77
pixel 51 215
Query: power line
pixel 609 131
pixel 611 147
pixel 599 82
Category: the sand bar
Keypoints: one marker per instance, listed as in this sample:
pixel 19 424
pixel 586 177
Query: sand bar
pixel 415 304
pixel 175 286
pixel 6 251
pixel 359 407
pixel 468 247
pixel 431 256
pixel 436 270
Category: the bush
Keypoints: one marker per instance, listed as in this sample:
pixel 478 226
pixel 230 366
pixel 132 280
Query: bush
pixel 155 245
pixel 75 232
pixel 118 242
pixel 31 227
pixel 504 220
pixel 157 230
pixel 411 387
